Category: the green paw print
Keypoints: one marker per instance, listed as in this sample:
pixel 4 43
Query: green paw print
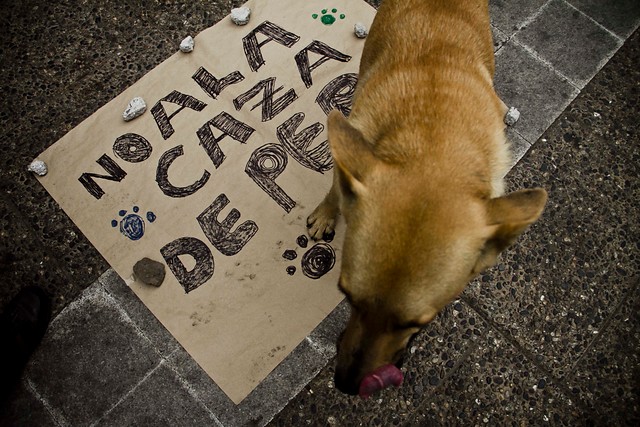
pixel 328 18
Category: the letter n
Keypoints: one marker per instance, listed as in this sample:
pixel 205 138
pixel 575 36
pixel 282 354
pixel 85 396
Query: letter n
pixel 111 167
pixel 270 107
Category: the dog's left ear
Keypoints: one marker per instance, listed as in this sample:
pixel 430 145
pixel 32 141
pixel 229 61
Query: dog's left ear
pixel 352 155
pixel 511 215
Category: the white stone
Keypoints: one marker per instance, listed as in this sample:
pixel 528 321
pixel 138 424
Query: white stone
pixel 38 167
pixel 240 15
pixel 360 30
pixel 135 108
pixel 187 44
pixel 512 116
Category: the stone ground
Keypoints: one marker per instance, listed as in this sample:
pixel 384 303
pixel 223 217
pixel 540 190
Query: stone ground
pixel 547 337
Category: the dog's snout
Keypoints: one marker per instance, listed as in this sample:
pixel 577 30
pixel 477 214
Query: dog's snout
pixel 402 353
pixel 346 382
pixel 347 373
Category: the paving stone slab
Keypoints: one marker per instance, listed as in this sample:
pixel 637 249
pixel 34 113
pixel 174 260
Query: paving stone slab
pixel 161 339
pixel 325 336
pixel 161 399
pixel 90 358
pixel 570 41
pixel 536 90
pixel 499 38
pixel 271 395
pixel 205 389
pixel 620 16
pixel 282 384
pixel 510 15
pixel 518 145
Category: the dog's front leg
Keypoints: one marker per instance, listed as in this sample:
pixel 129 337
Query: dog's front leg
pixel 322 221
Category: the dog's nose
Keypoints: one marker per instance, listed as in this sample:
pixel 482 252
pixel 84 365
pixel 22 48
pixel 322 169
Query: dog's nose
pixel 346 383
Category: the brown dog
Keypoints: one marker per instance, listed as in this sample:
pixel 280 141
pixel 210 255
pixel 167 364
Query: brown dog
pixel 418 177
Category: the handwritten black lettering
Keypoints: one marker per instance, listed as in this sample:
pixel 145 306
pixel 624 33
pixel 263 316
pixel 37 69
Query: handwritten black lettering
pixel 160 115
pixel 264 166
pixel 195 248
pixel 210 84
pixel 219 233
pixel 229 127
pixel 272 32
pixel 270 108
pixel 132 148
pixel 297 144
pixel 162 175
pixel 338 94
pixel 115 173
pixel 327 52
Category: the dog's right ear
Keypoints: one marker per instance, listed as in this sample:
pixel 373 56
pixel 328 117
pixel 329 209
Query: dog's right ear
pixel 510 215
pixel 352 155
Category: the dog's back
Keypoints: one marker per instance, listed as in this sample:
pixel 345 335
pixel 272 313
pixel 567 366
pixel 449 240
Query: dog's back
pixel 428 66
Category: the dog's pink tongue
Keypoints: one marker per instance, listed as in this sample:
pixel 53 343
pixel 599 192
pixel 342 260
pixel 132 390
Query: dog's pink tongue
pixel 379 379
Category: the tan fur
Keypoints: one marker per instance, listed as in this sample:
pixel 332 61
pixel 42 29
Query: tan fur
pixel 418 176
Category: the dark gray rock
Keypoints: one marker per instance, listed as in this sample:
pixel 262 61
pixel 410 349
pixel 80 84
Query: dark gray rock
pixel 149 272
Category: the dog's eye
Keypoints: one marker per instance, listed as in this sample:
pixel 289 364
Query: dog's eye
pixel 408 325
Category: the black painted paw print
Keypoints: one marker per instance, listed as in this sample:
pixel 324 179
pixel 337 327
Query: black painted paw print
pixel 316 261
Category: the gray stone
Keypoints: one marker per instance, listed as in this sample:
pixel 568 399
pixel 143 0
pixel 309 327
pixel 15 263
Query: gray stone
pixel 187 44
pixel 360 30
pixel 135 108
pixel 512 116
pixel 38 167
pixel 149 272
pixel 240 15
pixel 23 408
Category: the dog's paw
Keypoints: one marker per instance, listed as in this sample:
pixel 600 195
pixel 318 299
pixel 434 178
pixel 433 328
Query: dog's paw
pixel 321 223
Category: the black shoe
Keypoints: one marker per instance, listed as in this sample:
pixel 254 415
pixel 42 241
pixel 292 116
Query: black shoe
pixel 22 326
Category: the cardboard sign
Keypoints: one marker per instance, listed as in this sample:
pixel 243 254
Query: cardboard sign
pixel 216 179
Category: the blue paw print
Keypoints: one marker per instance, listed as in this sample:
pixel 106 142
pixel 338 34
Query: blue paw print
pixel 132 225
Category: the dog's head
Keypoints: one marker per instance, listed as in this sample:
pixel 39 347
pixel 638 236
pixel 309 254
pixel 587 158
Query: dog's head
pixel 410 248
